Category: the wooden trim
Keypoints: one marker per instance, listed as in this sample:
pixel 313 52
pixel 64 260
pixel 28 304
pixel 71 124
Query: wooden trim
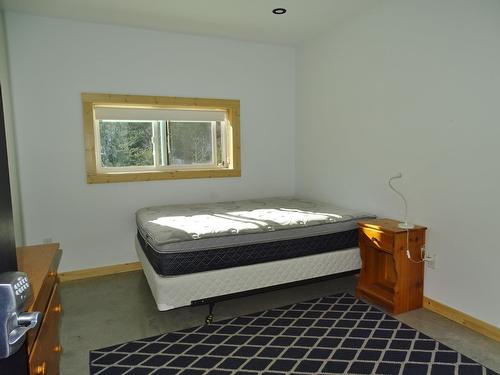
pixel 231 106
pixel 99 178
pixel 99 271
pixel 160 101
pixel 89 136
pixel 466 320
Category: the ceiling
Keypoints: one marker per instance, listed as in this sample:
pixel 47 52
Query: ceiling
pixel 251 20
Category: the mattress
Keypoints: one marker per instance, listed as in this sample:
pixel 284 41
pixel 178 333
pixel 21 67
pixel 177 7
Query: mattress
pixel 172 292
pixel 185 239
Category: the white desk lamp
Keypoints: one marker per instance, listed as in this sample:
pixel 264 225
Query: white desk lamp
pixel 405 224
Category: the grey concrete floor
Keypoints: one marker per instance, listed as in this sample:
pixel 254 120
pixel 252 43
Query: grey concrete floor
pixel 113 309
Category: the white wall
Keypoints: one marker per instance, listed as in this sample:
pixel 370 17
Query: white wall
pixel 10 135
pixel 54 60
pixel 413 86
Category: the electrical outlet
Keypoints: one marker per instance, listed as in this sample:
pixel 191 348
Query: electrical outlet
pixel 47 240
pixel 431 261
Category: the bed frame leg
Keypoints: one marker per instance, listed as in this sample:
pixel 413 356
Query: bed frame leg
pixel 210 317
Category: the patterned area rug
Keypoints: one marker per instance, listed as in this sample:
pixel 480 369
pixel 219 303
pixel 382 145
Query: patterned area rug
pixel 331 335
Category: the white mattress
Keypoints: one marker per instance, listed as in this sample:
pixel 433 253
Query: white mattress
pixel 171 292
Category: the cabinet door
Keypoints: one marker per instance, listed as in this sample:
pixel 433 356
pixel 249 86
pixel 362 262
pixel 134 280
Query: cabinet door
pixel 44 358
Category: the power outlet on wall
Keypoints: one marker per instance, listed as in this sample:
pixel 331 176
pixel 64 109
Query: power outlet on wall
pixel 430 260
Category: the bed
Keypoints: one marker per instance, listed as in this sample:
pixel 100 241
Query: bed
pixel 197 253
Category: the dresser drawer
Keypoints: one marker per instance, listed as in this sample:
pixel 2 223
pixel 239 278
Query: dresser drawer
pixel 380 240
pixel 44 356
pixel 42 301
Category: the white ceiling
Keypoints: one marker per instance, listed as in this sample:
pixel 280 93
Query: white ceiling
pixel 238 19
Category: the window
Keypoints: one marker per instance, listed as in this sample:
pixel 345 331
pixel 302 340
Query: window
pixel 137 138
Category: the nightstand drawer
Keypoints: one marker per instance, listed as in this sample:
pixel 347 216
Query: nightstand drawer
pixel 379 239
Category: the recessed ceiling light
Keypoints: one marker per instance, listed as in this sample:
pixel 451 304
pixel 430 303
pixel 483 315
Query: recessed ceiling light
pixel 279 11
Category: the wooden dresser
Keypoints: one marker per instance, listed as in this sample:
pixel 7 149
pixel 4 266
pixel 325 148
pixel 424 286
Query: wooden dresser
pixel 388 278
pixel 40 263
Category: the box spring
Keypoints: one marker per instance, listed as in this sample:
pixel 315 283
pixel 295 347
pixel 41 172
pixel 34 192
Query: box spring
pixel 171 292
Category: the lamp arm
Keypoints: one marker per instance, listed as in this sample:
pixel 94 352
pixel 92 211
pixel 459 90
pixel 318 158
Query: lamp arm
pixel 400 195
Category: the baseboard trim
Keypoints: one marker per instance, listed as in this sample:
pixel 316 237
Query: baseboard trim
pixel 99 271
pixel 466 320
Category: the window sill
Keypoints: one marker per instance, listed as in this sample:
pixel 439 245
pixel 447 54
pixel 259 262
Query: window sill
pixel 104 178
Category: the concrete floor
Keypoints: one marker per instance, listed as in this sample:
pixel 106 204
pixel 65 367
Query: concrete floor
pixel 110 310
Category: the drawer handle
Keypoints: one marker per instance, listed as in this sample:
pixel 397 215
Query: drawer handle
pixel 52 273
pixel 58 348
pixel 41 369
pixel 58 308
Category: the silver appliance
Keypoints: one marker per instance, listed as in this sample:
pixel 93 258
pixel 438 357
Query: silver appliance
pixel 15 291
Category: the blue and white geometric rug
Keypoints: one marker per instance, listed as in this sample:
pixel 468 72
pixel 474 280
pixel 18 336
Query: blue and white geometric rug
pixel 331 335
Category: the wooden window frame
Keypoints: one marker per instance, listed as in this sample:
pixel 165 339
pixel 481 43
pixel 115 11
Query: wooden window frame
pixel 231 106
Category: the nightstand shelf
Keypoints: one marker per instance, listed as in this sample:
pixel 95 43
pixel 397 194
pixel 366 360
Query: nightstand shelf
pixel 388 278
pixel 382 294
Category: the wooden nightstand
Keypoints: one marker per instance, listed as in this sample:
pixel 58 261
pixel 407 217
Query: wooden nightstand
pixel 388 278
